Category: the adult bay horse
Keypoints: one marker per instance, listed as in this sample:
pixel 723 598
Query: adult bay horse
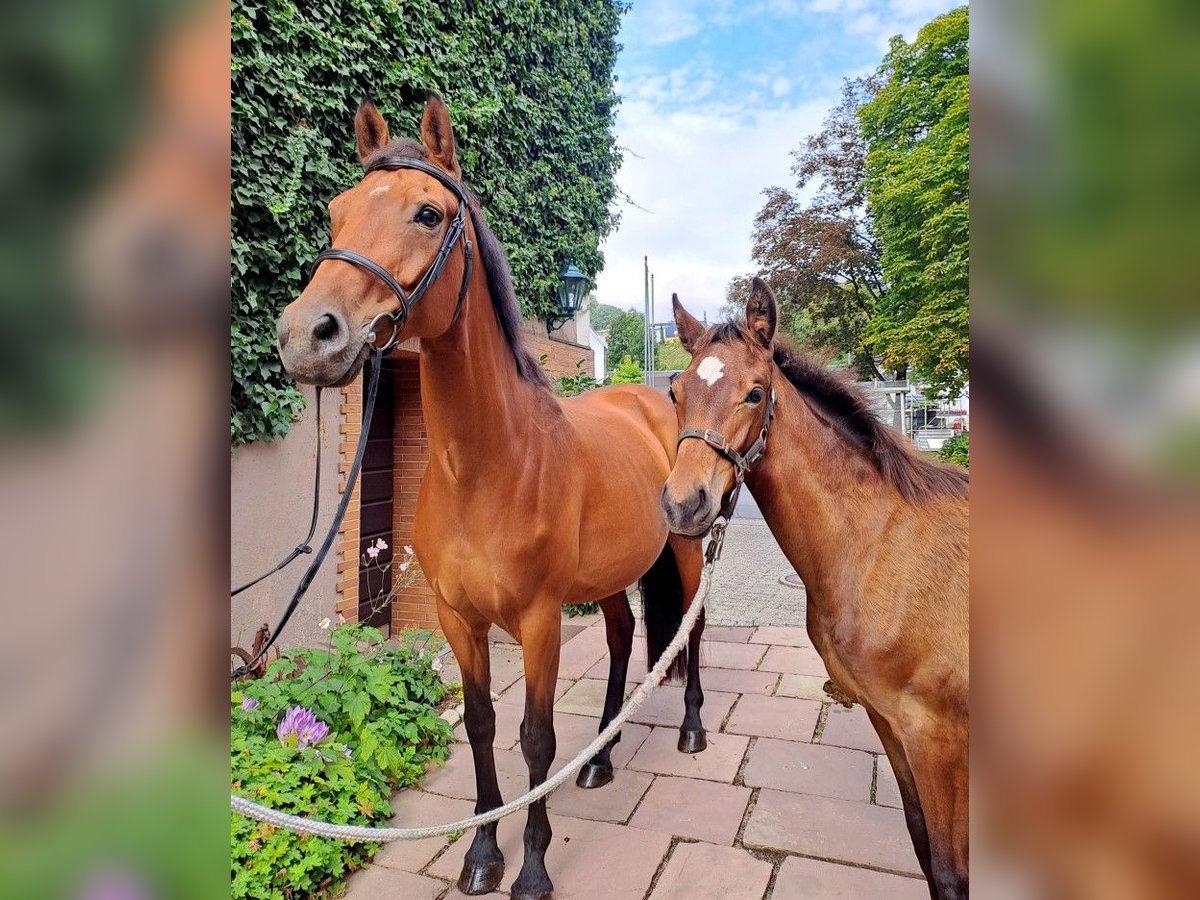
pixel 878 535
pixel 528 501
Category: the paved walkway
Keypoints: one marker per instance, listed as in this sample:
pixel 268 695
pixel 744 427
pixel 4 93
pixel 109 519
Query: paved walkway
pixel 792 799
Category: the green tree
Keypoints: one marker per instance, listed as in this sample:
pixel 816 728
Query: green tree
pixel 626 337
pixel 627 372
pixel 917 133
pixel 671 356
pixel 602 315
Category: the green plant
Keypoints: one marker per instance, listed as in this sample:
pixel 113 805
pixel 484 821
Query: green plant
pixel 530 87
pixel 379 705
pixel 574 385
pixel 957 450
pixel 627 372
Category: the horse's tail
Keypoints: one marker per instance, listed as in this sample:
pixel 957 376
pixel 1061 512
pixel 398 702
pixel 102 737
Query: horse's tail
pixel 662 609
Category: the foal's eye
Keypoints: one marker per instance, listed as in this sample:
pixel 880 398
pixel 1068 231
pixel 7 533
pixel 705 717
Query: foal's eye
pixel 755 396
pixel 428 216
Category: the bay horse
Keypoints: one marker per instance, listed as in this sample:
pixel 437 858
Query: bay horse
pixel 877 534
pixel 528 501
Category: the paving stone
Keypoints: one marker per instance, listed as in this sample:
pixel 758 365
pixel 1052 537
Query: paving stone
pixel 457 777
pixel 665 706
pixel 778 717
pixel 810 769
pixel 887 789
pixel 379 883
pixel 720 761
pixel 581 652
pixel 797 660
pixel 515 694
pixel 586 697
pixel 738 681
pixel 508 725
pixel 691 808
pixel 585 859
pixel 707 872
pixel 784 635
pixel 412 808
pixel 573 733
pixel 636 671
pixel 850 728
pixel 732 633
pixel 614 802
pixel 725 655
pixel 812 879
pixel 806 687
pixel 840 830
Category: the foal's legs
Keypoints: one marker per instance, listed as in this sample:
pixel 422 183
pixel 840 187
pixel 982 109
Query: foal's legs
pixel 540 645
pixel 484 865
pixel 913 815
pixel 940 770
pixel 618 627
pixel 689 557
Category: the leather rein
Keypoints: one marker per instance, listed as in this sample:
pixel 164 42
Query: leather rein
pixel 457 231
pixel 741 461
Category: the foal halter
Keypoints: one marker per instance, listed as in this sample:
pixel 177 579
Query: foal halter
pixel 741 461
pixel 456 231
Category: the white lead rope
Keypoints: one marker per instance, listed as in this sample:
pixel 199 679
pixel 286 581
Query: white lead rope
pixel 636 699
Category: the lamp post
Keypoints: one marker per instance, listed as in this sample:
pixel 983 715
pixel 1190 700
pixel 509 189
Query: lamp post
pixel 570 297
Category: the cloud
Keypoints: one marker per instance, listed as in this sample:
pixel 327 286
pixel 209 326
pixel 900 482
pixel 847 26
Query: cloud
pixel 780 86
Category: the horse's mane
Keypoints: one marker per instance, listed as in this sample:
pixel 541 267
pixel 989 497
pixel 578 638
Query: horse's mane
pixel 848 411
pixel 495 265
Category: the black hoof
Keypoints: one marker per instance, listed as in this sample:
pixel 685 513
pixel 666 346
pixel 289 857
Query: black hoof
pixel 692 741
pixel 542 891
pixel 594 776
pixel 481 879
pixel 533 895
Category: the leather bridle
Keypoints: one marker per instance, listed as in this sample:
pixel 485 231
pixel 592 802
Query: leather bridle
pixel 456 231
pixel 741 461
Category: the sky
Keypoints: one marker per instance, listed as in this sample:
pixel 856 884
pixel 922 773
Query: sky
pixel 715 97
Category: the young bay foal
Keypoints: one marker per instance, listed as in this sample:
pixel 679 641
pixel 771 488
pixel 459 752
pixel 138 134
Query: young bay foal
pixel 878 535
pixel 528 501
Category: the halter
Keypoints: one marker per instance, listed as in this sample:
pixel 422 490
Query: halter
pixel 455 232
pixel 741 461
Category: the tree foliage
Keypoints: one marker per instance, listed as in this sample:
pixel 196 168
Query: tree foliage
pixel 530 88
pixel 626 336
pixel 917 133
pixel 671 356
pixel 627 372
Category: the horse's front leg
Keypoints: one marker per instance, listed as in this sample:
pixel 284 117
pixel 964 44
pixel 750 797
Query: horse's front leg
pixel 484 865
pixel 540 638
pixel 689 556
pixel 618 626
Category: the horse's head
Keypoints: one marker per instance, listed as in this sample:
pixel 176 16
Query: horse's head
pixel 398 219
pixel 723 401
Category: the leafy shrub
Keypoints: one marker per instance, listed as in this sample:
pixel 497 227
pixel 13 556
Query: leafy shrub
pixel 627 372
pixel 530 88
pixel 957 450
pixel 574 385
pixel 380 705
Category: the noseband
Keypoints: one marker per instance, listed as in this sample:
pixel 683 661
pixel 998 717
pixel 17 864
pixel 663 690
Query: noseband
pixel 456 231
pixel 741 461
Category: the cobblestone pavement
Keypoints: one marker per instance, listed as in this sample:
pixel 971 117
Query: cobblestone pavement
pixel 746 586
pixel 791 799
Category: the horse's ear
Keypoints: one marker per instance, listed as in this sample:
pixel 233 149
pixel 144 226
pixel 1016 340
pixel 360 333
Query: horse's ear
pixel 686 324
pixel 370 130
pixel 761 312
pixel 438 136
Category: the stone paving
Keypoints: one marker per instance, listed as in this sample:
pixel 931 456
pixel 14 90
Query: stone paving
pixel 791 799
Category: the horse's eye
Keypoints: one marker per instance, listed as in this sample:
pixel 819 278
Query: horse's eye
pixel 755 396
pixel 428 216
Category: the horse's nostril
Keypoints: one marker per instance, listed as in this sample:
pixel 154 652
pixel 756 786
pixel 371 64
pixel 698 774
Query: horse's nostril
pixel 702 496
pixel 326 328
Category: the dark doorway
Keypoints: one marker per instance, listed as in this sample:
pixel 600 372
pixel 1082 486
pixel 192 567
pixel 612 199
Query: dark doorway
pixel 375 515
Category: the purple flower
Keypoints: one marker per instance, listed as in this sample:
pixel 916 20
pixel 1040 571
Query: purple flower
pixel 248 704
pixel 113 886
pixel 300 728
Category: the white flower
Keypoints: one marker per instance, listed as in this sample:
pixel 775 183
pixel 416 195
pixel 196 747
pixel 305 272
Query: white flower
pixel 403 567
pixel 408 551
pixel 381 543
pixel 372 551
pixel 324 623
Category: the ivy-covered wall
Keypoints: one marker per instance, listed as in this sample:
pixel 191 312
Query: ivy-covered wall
pixel 530 89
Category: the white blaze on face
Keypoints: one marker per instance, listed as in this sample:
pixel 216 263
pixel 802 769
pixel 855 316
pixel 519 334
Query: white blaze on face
pixel 711 370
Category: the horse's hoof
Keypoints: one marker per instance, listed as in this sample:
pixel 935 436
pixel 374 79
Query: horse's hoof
pixel 594 776
pixel 533 895
pixel 481 879
pixel 692 741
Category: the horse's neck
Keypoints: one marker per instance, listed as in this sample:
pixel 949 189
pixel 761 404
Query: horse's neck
pixel 825 506
pixel 479 412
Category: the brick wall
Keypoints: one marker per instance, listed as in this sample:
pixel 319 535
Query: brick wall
pixel 414 604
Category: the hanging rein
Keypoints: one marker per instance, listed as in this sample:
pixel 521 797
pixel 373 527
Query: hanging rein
pixel 456 232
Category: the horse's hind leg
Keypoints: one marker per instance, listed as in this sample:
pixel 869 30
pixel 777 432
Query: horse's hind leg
pixel 484 865
pixel 618 627
pixel 690 559
pixel 540 646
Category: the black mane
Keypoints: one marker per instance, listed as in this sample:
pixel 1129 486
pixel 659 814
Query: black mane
pixel 847 410
pixel 495 264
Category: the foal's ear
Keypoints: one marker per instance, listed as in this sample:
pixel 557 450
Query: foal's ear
pixel 438 136
pixel 686 324
pixel 761 313
pixel 370 130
